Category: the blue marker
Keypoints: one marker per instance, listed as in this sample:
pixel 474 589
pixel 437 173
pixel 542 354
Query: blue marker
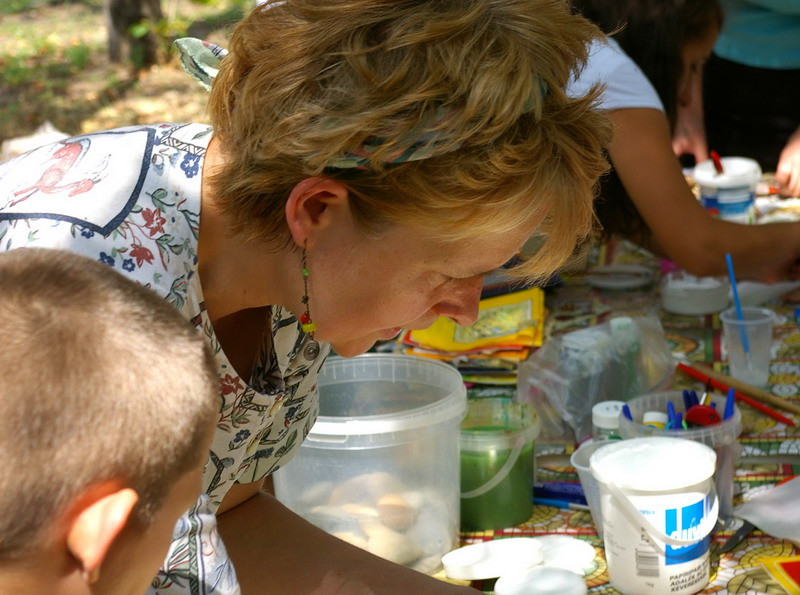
pixel 687 400
pixel 671 415
pixel 693 397
pixel 559 490
pixel 738 305
pixel 626 411
pixel 729 404
pixel 559 503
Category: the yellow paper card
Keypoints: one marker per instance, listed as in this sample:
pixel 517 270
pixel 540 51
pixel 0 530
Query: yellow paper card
pixel 513 319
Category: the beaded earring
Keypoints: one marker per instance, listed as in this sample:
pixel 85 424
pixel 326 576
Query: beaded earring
pixel 90 577
pixel 305 318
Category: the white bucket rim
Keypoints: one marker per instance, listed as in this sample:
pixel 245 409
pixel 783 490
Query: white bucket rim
pixel 451 406
pixel 477 438
pixel 739 172
pixel 703 458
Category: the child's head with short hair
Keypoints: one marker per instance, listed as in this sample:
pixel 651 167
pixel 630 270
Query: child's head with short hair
pixel 106 409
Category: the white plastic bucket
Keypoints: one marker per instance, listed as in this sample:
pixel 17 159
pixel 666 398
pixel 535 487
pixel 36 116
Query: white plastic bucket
pixel 730 195
pixel 659 508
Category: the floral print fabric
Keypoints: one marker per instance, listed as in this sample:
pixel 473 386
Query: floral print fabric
pixel 130 198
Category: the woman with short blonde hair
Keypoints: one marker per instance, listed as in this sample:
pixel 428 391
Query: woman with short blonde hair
pixel 369 161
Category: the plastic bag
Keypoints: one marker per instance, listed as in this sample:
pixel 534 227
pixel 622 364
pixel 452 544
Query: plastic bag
pixel 617 360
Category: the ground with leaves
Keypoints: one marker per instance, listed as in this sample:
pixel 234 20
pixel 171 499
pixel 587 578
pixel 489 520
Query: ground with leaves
pixel 54 66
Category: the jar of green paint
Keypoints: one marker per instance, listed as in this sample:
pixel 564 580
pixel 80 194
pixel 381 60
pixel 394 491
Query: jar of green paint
pixel 497 463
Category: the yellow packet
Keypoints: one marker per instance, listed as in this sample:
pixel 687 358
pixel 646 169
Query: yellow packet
pixel 512 319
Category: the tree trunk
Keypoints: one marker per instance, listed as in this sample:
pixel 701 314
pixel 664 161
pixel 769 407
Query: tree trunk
pixel 120 16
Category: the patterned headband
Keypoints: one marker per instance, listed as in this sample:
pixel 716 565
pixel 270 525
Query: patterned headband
pixel 201 59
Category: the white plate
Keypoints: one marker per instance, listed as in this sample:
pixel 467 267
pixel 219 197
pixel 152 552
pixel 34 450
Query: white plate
pixel 569 553
pixel 620 276
pixel 491 559
pixel 541 580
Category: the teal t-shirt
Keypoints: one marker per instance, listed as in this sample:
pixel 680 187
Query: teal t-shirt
pixel 761 33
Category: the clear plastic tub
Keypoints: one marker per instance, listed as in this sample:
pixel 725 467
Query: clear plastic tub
pixel 722 437
pixel 380 467
pixel 591 489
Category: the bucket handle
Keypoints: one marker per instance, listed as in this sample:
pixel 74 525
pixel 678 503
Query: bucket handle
pixel 637 518
pixel 500 475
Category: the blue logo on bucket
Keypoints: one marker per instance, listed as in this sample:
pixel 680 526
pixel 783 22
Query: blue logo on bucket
pixel 730 203
pixel 684 523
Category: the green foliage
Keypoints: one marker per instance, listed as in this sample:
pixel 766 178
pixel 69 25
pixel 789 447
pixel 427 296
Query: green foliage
pixel 180 17
pixel 44 63
pixel 54 63
pixel 78 55
pixel 12 6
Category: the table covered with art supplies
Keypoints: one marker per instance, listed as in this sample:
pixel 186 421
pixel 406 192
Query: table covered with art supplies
pixel 608 342
pixel 588 436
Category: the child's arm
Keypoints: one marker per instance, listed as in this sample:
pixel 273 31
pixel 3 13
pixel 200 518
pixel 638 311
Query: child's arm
pixel 642 155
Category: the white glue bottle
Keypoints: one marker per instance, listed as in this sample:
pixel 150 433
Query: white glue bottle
pixel 605 420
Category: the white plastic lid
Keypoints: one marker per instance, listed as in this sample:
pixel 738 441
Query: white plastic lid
pixel 738 171
pixel 605 414
pixel 541 580
pixel 653 464
pixel 657 417
pixel 492 559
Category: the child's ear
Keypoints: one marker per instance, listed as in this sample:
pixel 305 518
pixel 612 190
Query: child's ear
pixel 99 517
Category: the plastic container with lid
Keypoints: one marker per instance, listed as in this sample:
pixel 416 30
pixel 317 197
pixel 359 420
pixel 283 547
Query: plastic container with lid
pixel 729 195
pixel 682 293
pixel 380 467
pixel 659 510
pixel 605 420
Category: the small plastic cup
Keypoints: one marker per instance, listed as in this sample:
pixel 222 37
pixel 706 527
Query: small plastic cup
pixel 747 343
pixel 497 463
pixel 591 489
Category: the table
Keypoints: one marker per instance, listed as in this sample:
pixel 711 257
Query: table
pixel 770 450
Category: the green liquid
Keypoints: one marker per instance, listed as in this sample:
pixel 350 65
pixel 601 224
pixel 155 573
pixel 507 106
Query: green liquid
pixel 507 504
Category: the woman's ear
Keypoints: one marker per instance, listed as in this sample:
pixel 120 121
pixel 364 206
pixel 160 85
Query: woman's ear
pixel 98 518
pixel 313 203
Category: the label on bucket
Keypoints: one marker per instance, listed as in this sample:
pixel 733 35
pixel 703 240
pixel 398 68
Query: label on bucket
pixel 684 523
pixel 638 563
pixel 730 204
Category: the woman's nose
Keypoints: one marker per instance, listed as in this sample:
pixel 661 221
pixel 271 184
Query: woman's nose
pixel 461 304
